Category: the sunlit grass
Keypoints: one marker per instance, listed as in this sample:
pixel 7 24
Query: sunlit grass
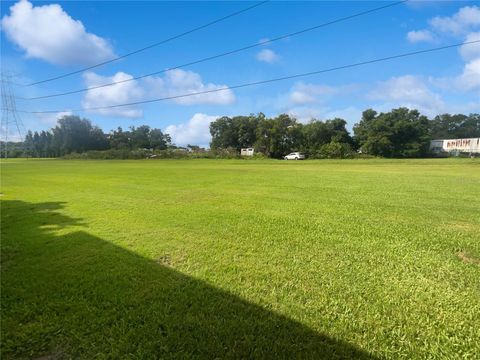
pixel 379 256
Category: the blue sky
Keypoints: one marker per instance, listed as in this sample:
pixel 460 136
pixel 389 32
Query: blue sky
pixel 45 39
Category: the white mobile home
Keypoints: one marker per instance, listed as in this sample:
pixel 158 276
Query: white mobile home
pixel 247 151
pixel 469 145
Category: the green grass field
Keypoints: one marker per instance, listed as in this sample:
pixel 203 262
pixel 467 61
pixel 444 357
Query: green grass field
pixel 241 259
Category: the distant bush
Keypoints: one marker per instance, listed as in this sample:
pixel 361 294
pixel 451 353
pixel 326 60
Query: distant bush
pixel 111 154
pixel 256 156
pixel 114 154
pixel 333 150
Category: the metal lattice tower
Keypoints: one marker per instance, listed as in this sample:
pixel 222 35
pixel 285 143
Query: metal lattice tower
pixel 11 121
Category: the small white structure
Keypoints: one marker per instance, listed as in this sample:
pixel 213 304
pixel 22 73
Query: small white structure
pixel 470 145
pixel 247 151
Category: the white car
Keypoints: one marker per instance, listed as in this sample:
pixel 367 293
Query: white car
pixel 295 156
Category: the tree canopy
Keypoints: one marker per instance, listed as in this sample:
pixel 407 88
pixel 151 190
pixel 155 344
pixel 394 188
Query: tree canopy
pixel 457 126
pixel 400 133
pixel 73 134
pixel 142 137
pixel 278 136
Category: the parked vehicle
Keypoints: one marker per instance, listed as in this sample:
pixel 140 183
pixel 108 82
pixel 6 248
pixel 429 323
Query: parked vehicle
pixel 295 156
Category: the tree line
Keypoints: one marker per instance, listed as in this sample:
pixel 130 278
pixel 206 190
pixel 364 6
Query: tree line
pixel 399 133
pixel 73 134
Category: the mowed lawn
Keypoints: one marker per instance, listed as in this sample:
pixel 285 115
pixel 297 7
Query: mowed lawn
pixel 240 259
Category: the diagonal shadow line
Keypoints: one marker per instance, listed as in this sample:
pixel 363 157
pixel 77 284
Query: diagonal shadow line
pixel 78 296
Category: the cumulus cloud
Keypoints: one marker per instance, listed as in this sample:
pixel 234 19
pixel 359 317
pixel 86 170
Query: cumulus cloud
pixel 305 93
pixel 470 78
pixel 179 82
pixel 459 23
pixel 47 32
pixel 268 56
pixel 464 24
pixel 471 51
pixel 419 36
pixel 305 101
pixel 173 83
pixel 351 114
pixel 11 133
pixel 304 114
pixel 300 97
pixel 51 119
pixel 125 92
pixel 409 91
pixel 195 132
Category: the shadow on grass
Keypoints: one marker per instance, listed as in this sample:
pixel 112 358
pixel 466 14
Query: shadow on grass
pixel 71 294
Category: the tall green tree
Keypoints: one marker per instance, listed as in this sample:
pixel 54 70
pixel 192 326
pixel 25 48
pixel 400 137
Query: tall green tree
pixel 142 137
pixel 158 140
pixel 398 133
pixel 119 139
pixel 447 126
pixel 317 134
pixel 73 134
pixel 224 133
pixel 279 136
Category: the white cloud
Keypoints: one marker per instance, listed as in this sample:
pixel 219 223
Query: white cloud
pixel 419 36
pixel 11 133
pixel 351 114
pixel 305 113
pixel 268 56
pixel 195 132
pixel 47 32
pixel 465 24
pixel 179 82
pixel 51 119
pixel 470 78
pixel 175 82
pixel 126 92
pixel 471 51
pixel 304 93
pixel 306 101
pixel 409 91
pixel 299 97
pixel 459 23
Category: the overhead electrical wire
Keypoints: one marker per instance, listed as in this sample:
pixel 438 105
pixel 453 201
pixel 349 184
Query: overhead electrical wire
pixel 150 46
pixel 260 43
pixel 262 81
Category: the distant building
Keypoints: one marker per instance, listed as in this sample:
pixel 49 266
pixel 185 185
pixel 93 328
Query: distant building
pixel 471 145
pixel 247 151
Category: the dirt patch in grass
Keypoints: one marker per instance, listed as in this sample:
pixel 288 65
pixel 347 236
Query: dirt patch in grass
pixel 171 260
pixel 165 260
pixel 462 255
pixel 52 356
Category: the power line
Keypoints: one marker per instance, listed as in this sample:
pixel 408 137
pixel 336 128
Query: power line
pixel 151 45
pixel 264 81
pixel 9 111
pixel 261 43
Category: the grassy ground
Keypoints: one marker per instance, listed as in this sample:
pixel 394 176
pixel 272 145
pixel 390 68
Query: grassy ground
pixel 241 259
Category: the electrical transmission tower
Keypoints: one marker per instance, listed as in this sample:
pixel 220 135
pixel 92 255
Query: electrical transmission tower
pixel 11 122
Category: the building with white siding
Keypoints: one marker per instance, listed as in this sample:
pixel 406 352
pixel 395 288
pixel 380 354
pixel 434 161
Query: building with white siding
pixel 469 145
pixel 247 151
